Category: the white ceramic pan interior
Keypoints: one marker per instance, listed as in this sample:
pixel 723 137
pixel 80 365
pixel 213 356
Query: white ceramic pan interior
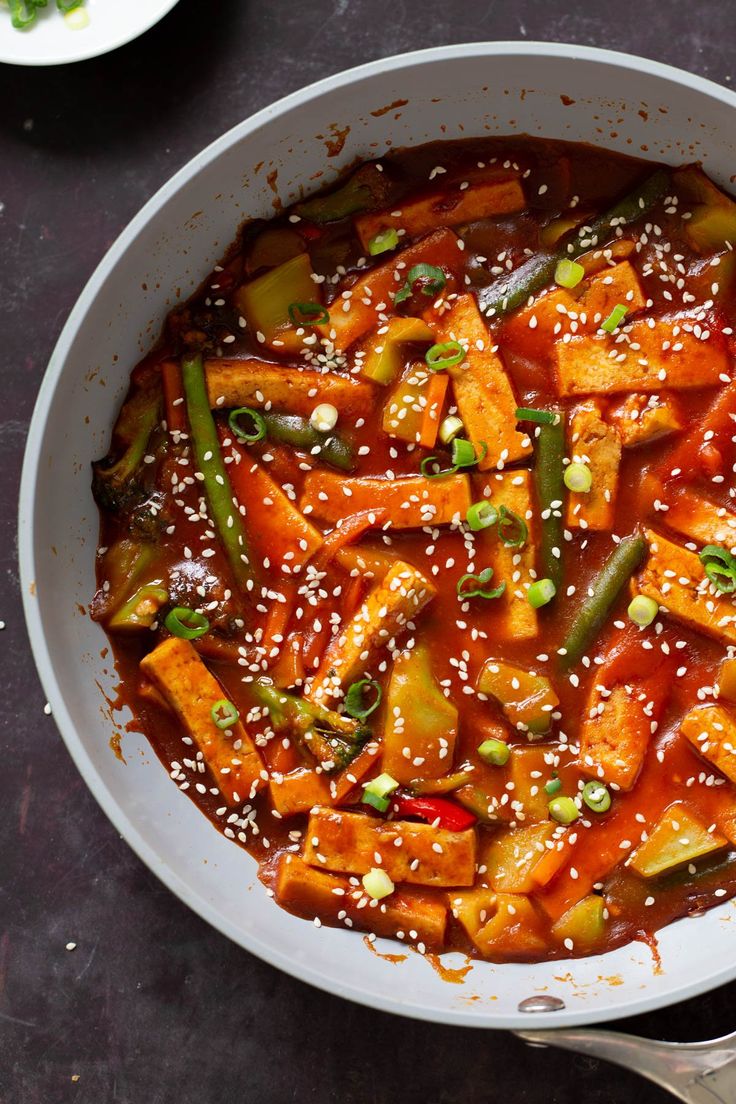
pixel 570 92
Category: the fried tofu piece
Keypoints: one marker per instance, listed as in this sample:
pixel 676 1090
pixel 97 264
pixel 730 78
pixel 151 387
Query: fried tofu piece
pixel 641 419
pixel 353 843
pixel 711 729
pixel 601 293
pixel 702 521
pixel 676 579
pixel 278 532
pixel 593 442
pixel 302 789
pixel 615 733
pixel 640 357
pixel 372 295
pixel 249 382
pixel 401 595
pixel 406 914
pixel 557 311
pixel 500 193
pixel 410 502
pixel 177 671
pixel 514 490
pixel 483 391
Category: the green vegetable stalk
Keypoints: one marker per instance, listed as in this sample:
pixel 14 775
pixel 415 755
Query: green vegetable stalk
pixel 334 740
pixel 548 473
pixel 291 429
pixel 367 188
pixel 218 490
pixel 604 591
pixel 511 292
pixel 116 485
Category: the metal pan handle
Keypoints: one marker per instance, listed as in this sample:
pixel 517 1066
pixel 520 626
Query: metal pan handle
pixel 698 1073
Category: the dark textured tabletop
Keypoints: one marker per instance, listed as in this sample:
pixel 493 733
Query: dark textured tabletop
pixel 152 1006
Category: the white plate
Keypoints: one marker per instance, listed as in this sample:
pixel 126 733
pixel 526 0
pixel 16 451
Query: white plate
pixel 620 102
pixel 50 41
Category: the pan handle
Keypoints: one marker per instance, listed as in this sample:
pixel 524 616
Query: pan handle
pixel 698 1073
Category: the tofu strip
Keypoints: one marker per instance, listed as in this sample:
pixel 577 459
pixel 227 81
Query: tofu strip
pixel 711 729
pixel 617 727
pixel 512 489
pixel 501 194
pixel 177 671
pixel 676 579
pixel 483 392
pixel 702 521
pixel 593 442
pixel 642 357
pixel 410 502
pixel 399 597
pixel 406 914
pixel 249 382
pixel 421 854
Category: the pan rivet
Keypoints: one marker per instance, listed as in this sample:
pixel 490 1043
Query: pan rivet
pixel 541 1003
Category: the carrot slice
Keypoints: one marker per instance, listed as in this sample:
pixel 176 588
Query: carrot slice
pixel 176 411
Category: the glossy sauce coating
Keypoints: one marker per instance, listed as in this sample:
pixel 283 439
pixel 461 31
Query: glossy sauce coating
pixel 676 664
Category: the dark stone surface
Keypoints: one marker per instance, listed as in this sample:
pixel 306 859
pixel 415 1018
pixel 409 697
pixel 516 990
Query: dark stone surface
pixel 154 1007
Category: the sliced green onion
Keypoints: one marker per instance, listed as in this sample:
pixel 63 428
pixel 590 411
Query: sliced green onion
pixel 377 883
pixel 578 478
pixel 541 417
pixel 450 428
pixel 722 578
pixel 378 802
pixel 553 786
pixel 186 623
pixel 512 529
pixel 383 242
pixel 563 810
pixel 568 274
pixel 324 417
pixel 354 705
pixel 642 610
pixel 464 453
pixel 476 586
pixel 433 281
pixel 494 752
pixel 382 785
pixel 446 355
pixel 720 568
pixel 715 552
pixel 308 314
pixel 596 797
pixel 463 456
pixel 540 593
pixel 616 316
pixel 224 713
pixel 259 423
pixel 481 515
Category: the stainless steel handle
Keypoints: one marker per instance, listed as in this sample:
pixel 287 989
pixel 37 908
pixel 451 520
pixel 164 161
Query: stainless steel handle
pixel 698 1073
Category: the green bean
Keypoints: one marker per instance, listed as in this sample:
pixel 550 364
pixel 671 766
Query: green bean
pixel 548 473
pixel 218 490
pixel 604 591
pixel 364 190
pixel 292 429
pixel 513 290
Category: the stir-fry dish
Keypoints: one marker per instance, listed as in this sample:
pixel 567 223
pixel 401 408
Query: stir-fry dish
pixel 418 549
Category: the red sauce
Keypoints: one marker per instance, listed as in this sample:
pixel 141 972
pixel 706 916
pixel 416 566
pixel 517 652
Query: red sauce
pixel 161 510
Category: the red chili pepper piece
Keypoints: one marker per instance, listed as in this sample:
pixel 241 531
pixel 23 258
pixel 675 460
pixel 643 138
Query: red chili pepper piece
pixel 435 809
pixel 310 232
